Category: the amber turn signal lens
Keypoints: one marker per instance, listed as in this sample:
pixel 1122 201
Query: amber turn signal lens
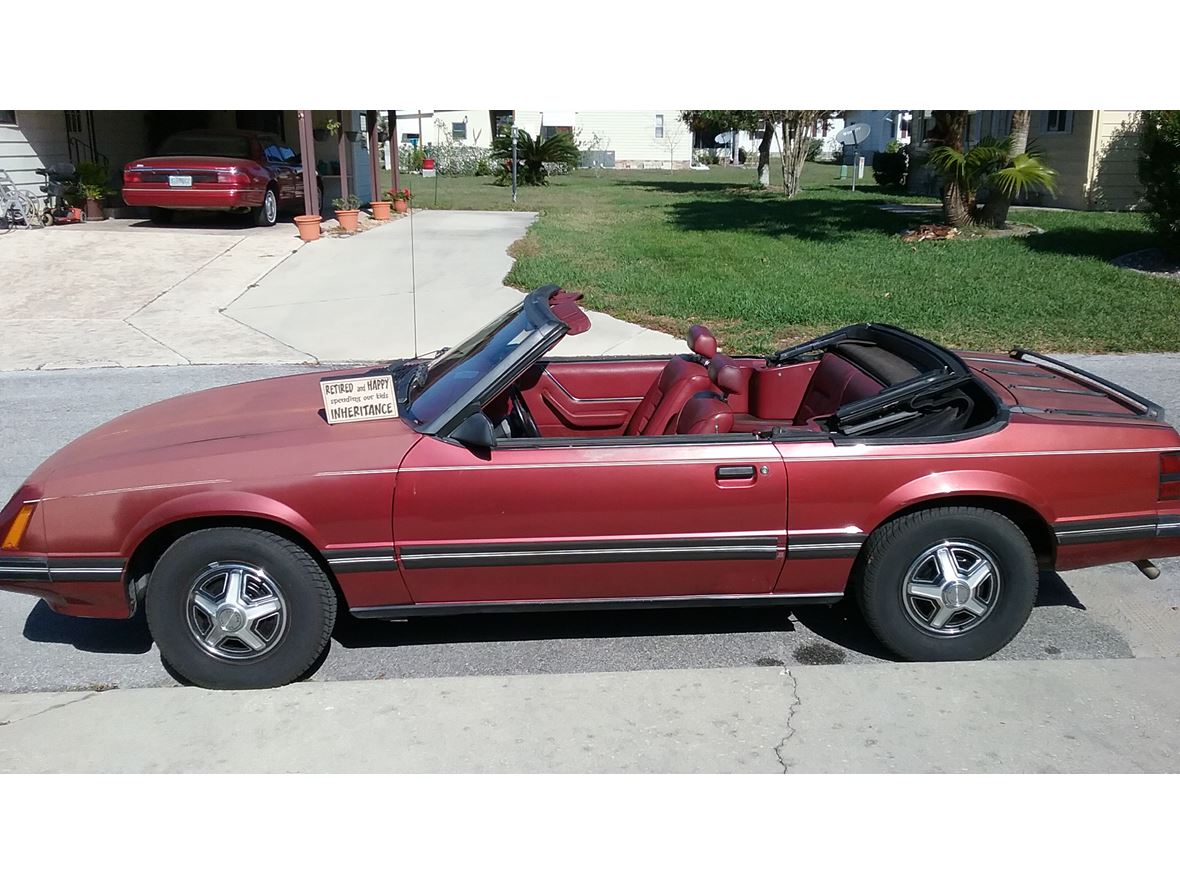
pixel 16 531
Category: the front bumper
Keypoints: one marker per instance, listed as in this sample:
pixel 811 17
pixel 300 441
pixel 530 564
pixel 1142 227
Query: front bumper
pixel 83 586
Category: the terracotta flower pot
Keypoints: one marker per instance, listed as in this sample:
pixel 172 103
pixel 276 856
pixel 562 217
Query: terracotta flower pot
pixel 309 227
pixel 380 209
pixel 347 219
pixel 399 206
pixel 94 211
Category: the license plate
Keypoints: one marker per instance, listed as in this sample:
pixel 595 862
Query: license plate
pixel 180 181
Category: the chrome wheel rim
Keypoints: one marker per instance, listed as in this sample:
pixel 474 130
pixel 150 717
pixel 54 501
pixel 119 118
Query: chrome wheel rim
pixel 951 587
pixel 235 611
pixel 272 206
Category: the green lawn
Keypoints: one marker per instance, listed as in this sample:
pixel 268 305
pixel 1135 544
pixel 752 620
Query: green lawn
pixel 666 249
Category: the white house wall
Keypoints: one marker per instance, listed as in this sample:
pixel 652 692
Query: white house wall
pixel 631 135
pixel 37 140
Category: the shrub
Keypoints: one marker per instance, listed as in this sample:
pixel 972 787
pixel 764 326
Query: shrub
pixel 1159 173
pixel 455 158
pixel 889 168
pixel 536 158
pixel 814 149
pixel 742 154
pixel 410 159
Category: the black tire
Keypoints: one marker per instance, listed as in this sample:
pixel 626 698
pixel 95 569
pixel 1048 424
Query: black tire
pixel 268 213
pixel 894 614
pixel 308 604
pixel 160 216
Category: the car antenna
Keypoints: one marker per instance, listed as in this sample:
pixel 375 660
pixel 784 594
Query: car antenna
pixel 413 281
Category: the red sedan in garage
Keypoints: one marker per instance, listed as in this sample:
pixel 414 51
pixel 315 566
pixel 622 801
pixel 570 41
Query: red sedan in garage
pixel 227 170
pixel 927 485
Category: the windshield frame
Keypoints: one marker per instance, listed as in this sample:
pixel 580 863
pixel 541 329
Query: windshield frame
pixel 547 330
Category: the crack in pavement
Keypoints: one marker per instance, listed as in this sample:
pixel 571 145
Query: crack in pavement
pixel 796 703
pixel 84 697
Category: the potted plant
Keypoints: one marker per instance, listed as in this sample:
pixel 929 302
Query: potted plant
pixel 401 200
pixel 309 227
pixel 379 209
pixel 347 210
pixel 93 188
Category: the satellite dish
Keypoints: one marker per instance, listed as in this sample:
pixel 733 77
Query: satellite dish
pixel 853 135
pixel 724 138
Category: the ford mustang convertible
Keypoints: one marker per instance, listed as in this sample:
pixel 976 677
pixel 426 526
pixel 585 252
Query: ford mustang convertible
pixel 927 485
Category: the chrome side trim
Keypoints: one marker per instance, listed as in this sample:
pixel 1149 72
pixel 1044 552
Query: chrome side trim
pixel 591 604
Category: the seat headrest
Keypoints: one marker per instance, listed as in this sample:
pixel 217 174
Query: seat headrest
pixel 725 373
pixel 702 342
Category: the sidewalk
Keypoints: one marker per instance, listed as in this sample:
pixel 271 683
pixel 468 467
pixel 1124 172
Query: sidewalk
pixel 1067 716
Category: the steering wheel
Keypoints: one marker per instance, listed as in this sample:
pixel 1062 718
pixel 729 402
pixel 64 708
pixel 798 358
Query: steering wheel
pixel 520 420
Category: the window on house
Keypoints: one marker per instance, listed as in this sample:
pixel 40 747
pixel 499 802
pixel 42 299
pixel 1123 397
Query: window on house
pixel 1057 121
pixel 7 118
pixel 659 125
pixel 459 131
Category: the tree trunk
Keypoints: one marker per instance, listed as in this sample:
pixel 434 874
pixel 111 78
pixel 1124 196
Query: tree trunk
pixel 764 154
pixel 995 210
pixel 795 138
pixel 958 207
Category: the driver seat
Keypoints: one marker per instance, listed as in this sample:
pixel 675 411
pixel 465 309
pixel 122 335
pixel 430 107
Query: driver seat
pixel 683 378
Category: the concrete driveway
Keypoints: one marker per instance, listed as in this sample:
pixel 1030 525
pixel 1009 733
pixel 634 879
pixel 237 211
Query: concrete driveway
pixel 129 293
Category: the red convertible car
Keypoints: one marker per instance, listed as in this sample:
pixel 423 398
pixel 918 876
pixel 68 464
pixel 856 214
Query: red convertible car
pixel 928 485
pixel 231 170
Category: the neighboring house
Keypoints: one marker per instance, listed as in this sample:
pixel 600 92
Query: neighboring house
pixel 619 139
pixel 884 127
pixel 1095 154
pixel 31 140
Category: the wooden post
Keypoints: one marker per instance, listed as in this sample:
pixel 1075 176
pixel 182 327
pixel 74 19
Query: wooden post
pixel 342 153
pixel 374 165
pixel 394 160
pixel 311 197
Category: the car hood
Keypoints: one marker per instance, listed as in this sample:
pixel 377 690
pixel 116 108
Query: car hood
pixel 229 425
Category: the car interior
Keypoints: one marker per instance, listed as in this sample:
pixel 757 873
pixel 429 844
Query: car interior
pixel 860 381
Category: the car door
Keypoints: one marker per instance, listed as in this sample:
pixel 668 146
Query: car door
pixel 590 519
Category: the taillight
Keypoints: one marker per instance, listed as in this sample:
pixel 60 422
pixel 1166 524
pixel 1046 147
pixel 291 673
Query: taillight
pixel 132 176
pixel 233 177
pixel 1170 476
pixel 16 529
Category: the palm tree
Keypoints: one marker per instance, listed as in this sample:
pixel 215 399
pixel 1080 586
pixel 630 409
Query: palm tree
pixel 532 154
pixel 990 163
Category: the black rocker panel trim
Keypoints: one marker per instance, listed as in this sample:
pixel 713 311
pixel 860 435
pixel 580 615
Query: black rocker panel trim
pixel 354 560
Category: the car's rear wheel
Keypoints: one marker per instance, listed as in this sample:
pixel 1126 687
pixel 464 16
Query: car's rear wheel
pixel 160 216
pixel 268 213
pixel 239 608
pixel 948 584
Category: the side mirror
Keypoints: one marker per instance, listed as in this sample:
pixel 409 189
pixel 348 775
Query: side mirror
pixel 476 432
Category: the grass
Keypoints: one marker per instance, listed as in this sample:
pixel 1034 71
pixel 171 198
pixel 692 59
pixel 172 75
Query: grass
pixel 669 248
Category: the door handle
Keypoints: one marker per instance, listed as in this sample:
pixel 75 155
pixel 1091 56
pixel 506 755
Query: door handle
pixel 745 471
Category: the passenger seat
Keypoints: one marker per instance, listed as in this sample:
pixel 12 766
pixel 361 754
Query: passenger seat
pixel 683 377
pixel 709 412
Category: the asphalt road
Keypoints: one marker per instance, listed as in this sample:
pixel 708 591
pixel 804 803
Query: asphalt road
pixel 1111 612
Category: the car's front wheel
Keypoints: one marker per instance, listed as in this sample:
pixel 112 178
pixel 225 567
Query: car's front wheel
pixel 239 608
pixel 268 213
pixel 947 584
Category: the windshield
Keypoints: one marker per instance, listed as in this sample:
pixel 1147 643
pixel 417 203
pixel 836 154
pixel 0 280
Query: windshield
pixel 441 383
pixel 206 144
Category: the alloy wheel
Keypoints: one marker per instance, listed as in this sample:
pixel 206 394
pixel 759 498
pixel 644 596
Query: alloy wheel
pixel 951 587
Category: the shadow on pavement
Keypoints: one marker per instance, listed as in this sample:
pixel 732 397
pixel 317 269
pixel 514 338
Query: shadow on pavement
pixel 361 633
pixel 129 637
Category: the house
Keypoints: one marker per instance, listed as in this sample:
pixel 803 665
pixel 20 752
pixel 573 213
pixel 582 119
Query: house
pixel 655 139
pixel 1095 154
pixel 33 139
pixel 884 127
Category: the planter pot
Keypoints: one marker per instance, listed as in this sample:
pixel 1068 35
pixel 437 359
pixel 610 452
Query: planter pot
pixel 347 219
pixel 399 206
pixel 380 209
pixel 319 134
pixel 94 211
pixel 309 227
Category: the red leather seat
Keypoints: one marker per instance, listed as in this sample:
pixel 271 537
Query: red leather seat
pixel 835 382
pixel 709 412
pixel 683 377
